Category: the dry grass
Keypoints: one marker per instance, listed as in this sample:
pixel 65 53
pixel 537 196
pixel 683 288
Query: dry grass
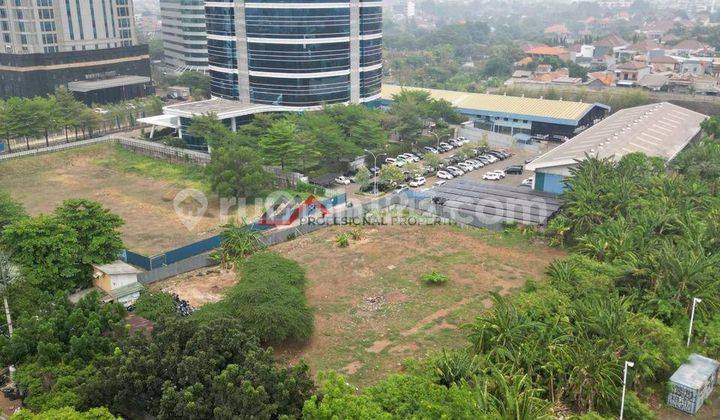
pixel 372 310
pixel 138 189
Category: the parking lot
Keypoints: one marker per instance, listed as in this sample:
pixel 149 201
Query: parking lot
pixel 519 155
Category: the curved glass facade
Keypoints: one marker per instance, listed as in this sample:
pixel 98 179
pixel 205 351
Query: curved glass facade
pixel 297 23
pixel 299 53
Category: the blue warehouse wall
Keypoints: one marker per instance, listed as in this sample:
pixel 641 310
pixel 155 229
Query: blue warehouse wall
pixel 549 182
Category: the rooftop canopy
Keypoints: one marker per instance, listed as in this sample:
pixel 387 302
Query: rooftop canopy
pixel 660 130
pixel 118 81
pixel 546 110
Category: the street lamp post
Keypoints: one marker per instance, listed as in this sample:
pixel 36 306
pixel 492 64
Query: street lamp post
pixel 375 190
pixel 622 402
pixel 692 318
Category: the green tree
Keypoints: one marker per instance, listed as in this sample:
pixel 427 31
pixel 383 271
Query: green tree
pixel 236 171
pixel 279 145
pixel 391 175
pixel 97 229
pixel 47 252
pixel 190 370
pixel 65 413
pixel 363 177
pixel 10 210
pixel 69 109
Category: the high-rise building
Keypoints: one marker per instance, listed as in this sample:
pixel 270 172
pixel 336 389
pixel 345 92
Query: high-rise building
pixel 296 53
pixel 183 34
pixel 284 55
pixel 37 26
pixel 90 46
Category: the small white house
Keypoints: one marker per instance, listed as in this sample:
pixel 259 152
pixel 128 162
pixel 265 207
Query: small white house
pixel 119 281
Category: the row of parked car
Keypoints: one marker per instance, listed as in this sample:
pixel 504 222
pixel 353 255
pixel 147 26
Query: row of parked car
pixel 459 167
pixel 447 146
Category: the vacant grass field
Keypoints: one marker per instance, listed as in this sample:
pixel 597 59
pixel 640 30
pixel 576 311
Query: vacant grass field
pixel 139 189
pixel 372 311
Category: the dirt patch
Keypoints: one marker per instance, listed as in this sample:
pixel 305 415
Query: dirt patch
pixel 200 286
pixel 379 346
pixel 439 314
pixel 371 306
pixel 352 367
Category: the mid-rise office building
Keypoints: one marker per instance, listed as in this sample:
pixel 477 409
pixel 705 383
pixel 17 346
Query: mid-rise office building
pixel 183 34
pixel 89 46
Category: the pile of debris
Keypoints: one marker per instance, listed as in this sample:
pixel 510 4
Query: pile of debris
pixel 373 303
pixel 183 307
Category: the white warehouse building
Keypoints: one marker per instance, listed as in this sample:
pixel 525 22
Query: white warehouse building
pixel 660 130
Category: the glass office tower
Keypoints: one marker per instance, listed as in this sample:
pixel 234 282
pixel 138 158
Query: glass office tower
pixel 296 53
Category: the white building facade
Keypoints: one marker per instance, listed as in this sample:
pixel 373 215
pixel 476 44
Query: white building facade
pixel 48 26
pixel 183 34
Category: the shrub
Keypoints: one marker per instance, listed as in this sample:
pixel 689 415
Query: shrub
pixel 268 300
pixel 342 240
pixel 355 234
pixel 155 305
pixel 434 278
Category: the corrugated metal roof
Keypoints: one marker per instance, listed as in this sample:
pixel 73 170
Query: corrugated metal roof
pixel 530 107
pixel 660 130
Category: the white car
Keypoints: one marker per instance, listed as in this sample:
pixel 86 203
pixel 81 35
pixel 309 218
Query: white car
pixel 445 146
pixel 431 150
pixel 342 180
pixel 475 163
pixel 417 181
pixel 441 182
pixel 527 181
pixel 500 173
pixel 455 171
pixel 408 157
pixel 491 176
pixel 445 175
pixel 491 158
pixel 465 166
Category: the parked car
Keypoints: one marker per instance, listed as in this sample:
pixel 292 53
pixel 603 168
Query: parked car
pixel 514 170
pixel 440 182
pixel 455 171
pixel 400 188
pixel 491 176
pixel 431 150
pixel 445 147
pixel 500 172
pixel 342 180
pixel 466 166
pixel 455 143
pixel 445 175
pixel 417 181
pixel 475 164
pixel 417 158
pixel 527 182
pixel 483 160
pixel 390 160
pixel 409 157
pixel 490 158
